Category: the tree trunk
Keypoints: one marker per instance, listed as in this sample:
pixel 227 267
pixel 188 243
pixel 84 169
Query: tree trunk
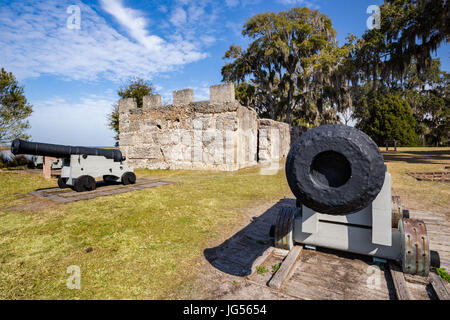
pixel 374 79
pixel 288 115
pixel 290 103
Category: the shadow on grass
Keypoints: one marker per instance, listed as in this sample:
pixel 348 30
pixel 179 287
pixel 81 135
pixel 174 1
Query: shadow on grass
pixel 423 157
pixel 98 184
pixel 236 255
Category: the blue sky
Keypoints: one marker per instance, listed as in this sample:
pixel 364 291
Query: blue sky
pixel 71 75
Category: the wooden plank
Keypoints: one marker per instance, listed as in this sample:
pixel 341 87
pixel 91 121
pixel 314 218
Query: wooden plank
pixel 285 268
pixel 319 275
pixel 417 287
pixel 439 287
pixel 63 197
pixel 264 278
pixel 398 278
pixel 280 252
pixel 426 215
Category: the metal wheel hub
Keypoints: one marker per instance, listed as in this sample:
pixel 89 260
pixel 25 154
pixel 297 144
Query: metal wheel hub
pixel 415 251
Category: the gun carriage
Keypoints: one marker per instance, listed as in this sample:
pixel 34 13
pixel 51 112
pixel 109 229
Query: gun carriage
pixel 344 201
pixel 37 162
pixel 81 165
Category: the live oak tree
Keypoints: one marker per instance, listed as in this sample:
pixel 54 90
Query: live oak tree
pixel 415 29
pixel 289 68
pixel 396 59
pixel 14 109
pixel 409 32
pixel 136 88
pixel 294 71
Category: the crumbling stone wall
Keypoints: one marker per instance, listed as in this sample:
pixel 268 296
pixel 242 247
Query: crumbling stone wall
pixel 218 134
pixel 274 140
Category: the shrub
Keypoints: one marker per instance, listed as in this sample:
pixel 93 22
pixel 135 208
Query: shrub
pixel 388 117
pixel 7 160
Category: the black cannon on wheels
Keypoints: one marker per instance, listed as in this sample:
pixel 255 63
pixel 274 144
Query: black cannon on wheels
pixel 81 165
pixel 344 201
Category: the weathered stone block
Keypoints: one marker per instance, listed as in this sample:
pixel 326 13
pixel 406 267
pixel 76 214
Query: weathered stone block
pixel 126 105
pixel 126 139
pixel 151 101
pixel 183 97
pixel 221 93
pixel 145 152
pixel 274 140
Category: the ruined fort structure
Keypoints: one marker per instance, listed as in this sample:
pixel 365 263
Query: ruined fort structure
pixel 218 134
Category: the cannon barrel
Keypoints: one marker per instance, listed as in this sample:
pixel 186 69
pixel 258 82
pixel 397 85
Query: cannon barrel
pixel 19 146
pixel 335 169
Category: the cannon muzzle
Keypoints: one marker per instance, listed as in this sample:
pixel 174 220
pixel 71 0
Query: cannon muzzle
pixel 335 169
pixel 19 146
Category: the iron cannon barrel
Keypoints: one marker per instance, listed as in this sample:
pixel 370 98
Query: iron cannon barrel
pixel 20 146
pixel 335 169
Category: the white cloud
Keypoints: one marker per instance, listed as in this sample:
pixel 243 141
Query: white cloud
pixel 208 40
pixel 162 9
pixel 178 17
pixel 194 20
pixel 232 3
pixel 134 22
pixel 82 122
pixel 201 93
pixel 196 12
pixel 235 28
pixel 35 41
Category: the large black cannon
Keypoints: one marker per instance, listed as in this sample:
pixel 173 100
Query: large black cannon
pixel 19 146
pixel 81 165
pixel 344 201
pixel 335 169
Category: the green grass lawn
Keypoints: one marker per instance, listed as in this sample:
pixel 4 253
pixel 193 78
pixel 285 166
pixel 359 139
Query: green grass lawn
pixel 148 244
pixel 145 243
pixel 419 195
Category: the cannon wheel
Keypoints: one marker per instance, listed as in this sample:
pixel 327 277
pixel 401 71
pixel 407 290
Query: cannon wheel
pixel 283 229
pixel 62 183
pixel 128 178
pixel 84 183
